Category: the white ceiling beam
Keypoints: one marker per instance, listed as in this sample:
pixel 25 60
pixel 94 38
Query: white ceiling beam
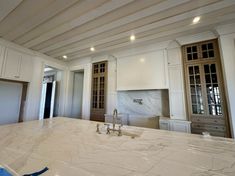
pixel 47 13
pixel 123 21
pixel 121 29
pixel 24 11
pixel 107 7
pixel 105 19
pixel 185 16
pixel 78 9
pixel 164 35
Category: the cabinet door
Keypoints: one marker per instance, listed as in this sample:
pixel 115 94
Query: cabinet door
pixel 174 56
pixel 12 64
pixel 177 106
pixel 1 59
pixel 176 92
pixel 26 68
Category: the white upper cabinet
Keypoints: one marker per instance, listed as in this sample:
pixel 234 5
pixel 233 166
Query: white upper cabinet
pixel 17 66
pixel 1 59
pixel 142 71
pixel 174 56
pixel 26 68
pixel 12 64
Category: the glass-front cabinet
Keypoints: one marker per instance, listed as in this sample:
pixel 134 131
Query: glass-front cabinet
pixel 99 81
pixel 205 91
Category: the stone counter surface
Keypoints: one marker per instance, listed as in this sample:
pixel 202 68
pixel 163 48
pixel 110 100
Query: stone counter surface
pixel 71 147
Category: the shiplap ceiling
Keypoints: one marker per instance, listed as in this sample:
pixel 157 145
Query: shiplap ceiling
pixel 71 27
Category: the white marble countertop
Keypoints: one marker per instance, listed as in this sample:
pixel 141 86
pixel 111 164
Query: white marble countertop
pixel 70 147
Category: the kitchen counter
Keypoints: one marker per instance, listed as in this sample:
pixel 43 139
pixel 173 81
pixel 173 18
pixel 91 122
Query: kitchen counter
pixel 70 147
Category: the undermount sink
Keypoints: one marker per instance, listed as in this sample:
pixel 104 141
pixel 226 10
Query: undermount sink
pixel 125 131
pixel 133 133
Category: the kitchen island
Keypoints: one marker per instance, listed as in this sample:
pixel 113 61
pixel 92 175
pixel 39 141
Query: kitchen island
pixel 71 147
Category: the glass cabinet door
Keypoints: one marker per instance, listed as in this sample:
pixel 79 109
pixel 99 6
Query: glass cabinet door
pixel 205 91
pixel 196 89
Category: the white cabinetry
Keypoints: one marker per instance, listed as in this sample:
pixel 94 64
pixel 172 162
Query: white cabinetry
pixel 166 123
pixel 26 68
pixel 12 64
pixel 142 71
pixel 17 66
pixel 176 84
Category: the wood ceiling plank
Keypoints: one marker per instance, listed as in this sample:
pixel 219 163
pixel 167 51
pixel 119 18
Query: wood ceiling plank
pixel 125 35
pixel 78 9
pixel 106 8
pixel 46 13
pixel 112 16
pixel 7 6
pixel 74 11
pixel 25 10
pixel 183 30
pixel 123 21
pixel 136 30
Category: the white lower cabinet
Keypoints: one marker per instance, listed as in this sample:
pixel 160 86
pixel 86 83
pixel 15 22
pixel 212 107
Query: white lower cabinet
pixel 175 125
pixel 17 66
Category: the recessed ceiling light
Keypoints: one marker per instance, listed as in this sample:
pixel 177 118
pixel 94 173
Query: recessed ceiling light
pixel 132 37
pixel 196 20
pixel 92 49
pixel 65 57
pixel 142 60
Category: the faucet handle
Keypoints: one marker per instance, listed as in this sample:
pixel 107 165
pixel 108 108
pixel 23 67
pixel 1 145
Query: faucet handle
pixel 98 128
pixel 119 130
pixel 108 128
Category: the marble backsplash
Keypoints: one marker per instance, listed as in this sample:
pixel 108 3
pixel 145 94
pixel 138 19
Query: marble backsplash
pixel 144 102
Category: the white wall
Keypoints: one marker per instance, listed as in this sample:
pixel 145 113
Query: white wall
pixel 227 51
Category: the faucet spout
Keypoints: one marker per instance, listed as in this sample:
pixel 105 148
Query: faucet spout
pixel 115 114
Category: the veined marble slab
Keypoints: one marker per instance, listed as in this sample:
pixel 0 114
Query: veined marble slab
pixel 71 147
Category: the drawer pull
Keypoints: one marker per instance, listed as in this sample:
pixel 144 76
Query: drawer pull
pixel 215 121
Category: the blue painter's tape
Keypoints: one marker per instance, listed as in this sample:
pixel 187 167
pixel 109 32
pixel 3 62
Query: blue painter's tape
pixel 4 172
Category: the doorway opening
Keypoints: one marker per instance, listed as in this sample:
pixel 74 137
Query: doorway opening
pixel 12 94
pixel 49 106
pixel 77 96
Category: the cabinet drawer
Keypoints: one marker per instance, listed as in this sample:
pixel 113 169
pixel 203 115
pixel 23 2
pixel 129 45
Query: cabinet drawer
pixel 216 121
pixel 212 133
pixel 208 127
